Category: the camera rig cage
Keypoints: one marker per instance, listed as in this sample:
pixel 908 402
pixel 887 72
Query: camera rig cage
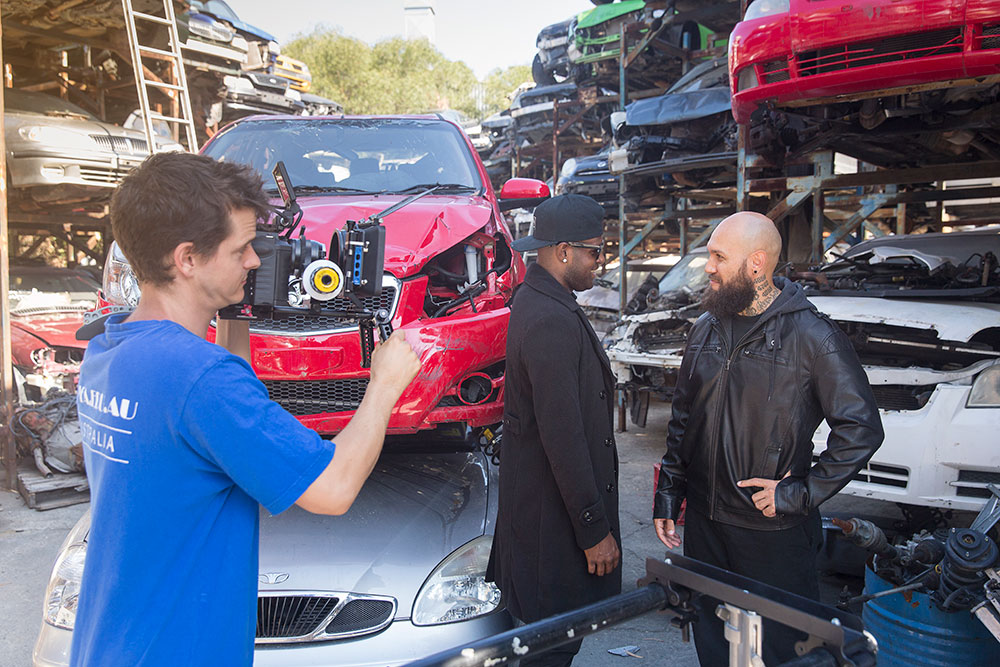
pixel 352 268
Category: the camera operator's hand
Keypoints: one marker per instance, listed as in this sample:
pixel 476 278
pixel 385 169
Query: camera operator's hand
pixel 603 557
pixel 394 364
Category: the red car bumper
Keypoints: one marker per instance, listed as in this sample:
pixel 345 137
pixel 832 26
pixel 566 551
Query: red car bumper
pixel 319 378
pixel 824 49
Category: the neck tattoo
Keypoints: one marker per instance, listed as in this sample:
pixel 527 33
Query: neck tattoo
pixel 766 294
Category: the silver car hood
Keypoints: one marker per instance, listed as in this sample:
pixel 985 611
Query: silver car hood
pixel 414 510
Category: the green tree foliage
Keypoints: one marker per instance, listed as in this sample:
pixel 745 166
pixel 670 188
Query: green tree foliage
pixel 500 83
pixel 397 75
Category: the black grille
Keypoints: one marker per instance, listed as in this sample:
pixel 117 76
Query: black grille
pixel 879 473
pixel 287 616
pixel 308 323
pixel 991 37
pixel 775 71
pixel 360 615
pixel 979 477
pixel 901 396
pixel 311 397
pixel 890 49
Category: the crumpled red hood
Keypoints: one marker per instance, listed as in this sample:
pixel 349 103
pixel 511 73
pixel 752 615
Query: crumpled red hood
pixel 413 234
pixel 55 330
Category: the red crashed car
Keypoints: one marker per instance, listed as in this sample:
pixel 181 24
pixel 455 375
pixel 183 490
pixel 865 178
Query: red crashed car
pixel 449 275
pixel 47 305
pixel 799 52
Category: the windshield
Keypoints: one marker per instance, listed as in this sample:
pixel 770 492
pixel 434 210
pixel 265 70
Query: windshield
pixel 32 287
pixel 689 272
pixel 353 155
pixel 24 100
pixel 220 9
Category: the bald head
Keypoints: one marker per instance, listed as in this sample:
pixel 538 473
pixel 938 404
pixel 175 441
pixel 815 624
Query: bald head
pixel 745 233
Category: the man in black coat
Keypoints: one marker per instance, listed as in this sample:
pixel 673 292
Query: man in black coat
pixel 762 368
pixel 558 543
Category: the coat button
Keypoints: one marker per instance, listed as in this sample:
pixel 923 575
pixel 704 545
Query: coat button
pixel 588 517
pixel 746 353
pixel 611 488
pixel 603 394
pixel 609 442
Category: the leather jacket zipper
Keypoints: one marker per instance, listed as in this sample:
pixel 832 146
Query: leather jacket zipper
pixel 717 430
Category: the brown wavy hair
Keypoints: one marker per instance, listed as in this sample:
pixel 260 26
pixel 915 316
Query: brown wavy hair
pixel 174 198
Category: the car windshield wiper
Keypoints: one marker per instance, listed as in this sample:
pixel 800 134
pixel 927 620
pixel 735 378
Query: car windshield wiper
pixel 328 188
pixel 438 187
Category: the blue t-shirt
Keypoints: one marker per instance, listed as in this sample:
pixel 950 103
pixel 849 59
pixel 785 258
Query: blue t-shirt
pixel 181 443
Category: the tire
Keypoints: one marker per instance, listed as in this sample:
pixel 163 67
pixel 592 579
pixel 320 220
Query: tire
pixel 541 76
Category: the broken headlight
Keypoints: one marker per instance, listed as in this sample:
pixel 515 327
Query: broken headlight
pixel 120 285
pixel 63 592
pixel 985 391
pixel 457 589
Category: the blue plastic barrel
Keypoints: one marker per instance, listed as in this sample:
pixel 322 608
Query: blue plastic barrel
pixel 911 631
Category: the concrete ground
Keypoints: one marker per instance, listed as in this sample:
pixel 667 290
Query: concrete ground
pixel 29 541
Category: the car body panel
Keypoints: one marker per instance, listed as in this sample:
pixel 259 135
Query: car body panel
pixel 889 45
pixel 438 503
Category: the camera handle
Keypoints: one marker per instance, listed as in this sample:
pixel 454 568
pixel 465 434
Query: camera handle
pixel 368 321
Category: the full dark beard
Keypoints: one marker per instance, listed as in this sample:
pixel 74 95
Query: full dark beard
pixel 732 297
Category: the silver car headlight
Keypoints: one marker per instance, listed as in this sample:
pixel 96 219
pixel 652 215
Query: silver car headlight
pixel 985 391
pixel 207 28
pixel 568 168
pixel 57 136
pixel 63 592
pixel 457 589
pixel 120 285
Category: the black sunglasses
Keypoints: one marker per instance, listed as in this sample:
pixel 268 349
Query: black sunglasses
pixel 595 250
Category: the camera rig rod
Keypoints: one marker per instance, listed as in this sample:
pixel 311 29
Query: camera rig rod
pixel 671 585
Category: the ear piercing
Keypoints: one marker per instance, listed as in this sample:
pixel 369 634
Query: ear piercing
pixel 566 260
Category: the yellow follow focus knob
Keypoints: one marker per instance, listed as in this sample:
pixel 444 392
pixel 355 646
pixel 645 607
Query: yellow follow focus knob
pixel 323 280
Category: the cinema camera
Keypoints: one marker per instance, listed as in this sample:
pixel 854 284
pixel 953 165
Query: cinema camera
pixel 297 277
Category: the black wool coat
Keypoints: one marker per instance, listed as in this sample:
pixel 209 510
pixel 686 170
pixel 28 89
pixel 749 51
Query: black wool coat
pixel 558 462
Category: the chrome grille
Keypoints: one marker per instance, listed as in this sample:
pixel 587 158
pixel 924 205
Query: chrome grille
pixel 288 618
pixel 890 49
pixel 311 397
pixel 121 144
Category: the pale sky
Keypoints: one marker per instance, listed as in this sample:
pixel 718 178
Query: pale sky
pixel 484 34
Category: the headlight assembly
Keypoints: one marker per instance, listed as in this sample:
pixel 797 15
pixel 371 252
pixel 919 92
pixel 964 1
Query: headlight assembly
pixel 120 285
pixel 57 136
pixel 985 391
pixel 457 589
pixel 63 592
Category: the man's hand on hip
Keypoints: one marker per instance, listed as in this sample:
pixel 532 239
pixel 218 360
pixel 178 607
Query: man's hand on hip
pixel 667 532
pixel 394 364
pixel 763 499
pixel 603 557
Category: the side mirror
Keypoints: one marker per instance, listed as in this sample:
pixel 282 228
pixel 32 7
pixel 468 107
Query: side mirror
pixel 522 193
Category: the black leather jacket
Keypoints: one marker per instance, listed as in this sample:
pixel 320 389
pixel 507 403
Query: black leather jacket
pixel 751 411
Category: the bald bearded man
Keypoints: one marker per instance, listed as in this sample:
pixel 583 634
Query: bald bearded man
pixel 762 368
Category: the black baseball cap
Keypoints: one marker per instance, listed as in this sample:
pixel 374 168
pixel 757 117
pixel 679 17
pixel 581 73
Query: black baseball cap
pixel 564 218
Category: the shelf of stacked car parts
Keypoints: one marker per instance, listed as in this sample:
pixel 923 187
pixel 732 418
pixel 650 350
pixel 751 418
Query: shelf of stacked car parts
pixel 75 51
pixel 655 217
